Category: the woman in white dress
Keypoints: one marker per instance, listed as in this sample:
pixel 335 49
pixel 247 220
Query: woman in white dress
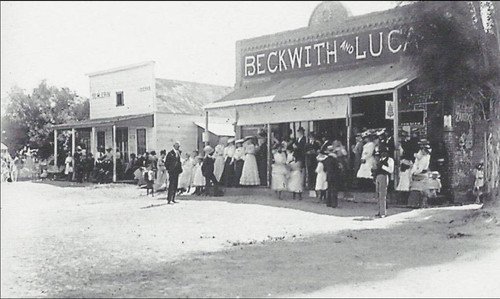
pixel 279 171
pixel 295 182
pixel 367 161
pixel 250 172
pixel 198 178
pixel 186 174
pixel 219 161
pixel 68 170
pixel 321 182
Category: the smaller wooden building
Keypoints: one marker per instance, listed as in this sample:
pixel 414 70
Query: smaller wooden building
pixel 133 111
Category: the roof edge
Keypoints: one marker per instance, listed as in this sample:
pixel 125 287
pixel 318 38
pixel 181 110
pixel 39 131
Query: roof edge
pixel 121 68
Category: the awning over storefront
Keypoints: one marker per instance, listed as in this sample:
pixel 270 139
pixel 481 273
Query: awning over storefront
pixel 218 129
pixel 139 120
pixel 312 97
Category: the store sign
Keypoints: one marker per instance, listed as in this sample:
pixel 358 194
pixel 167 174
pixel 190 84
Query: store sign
pixel 103 94
pixel 411 118
pixel 385 45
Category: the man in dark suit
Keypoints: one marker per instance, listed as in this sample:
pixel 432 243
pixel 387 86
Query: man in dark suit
pixel 312 149
pixel 299 146
pixel 331 165
pixel 207 169
pixel 174 168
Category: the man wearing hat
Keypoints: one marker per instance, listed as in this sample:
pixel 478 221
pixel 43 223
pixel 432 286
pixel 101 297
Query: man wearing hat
pixel 385 167
pixel 299 146
pixel 174 168
pixel 333 176
pixel 207 169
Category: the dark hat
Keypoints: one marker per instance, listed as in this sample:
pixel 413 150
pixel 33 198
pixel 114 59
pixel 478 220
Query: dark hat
pixel 300 129
pixel 263 133
pixel 423 141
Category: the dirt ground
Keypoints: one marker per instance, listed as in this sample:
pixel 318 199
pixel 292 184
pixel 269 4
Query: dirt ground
pixel 65 240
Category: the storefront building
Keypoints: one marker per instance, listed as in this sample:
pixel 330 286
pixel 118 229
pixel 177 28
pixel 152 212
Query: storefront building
pixel 338 76
pixel 132 111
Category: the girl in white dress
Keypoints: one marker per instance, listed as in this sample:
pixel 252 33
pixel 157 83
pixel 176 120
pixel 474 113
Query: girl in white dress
pixel 186 174
pixel 68 170
pixel 295 182
pixel 198 178
pixel 250 172
pixel 279 171
pixel 321 182
pixel 219 161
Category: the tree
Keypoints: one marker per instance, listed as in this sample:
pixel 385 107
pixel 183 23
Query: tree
pixel 457 50
pixel 454 51
pixel 28 117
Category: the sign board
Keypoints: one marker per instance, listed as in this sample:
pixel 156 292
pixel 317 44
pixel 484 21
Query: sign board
pixel 382 46
pixel 411 118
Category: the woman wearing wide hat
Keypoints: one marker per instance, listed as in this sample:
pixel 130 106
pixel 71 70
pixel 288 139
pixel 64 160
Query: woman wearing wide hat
pixel 238 161
pixel 228 173
pixel 250 172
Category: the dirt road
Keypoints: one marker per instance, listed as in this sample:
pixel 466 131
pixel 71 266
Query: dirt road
pixel 112 241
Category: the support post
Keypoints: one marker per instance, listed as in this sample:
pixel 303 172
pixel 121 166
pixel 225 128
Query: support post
pixel 237 133
pixel 206 135
pixel 396 136
pixel 93 144
pixel 73 152
pixel 55 148
pixel 269 155
pixel 114 153
pixel 349 128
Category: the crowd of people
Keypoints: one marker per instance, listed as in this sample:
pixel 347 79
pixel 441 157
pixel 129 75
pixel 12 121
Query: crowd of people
pixel 298 164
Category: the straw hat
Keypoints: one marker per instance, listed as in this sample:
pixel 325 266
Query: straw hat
pixel 208 149
pixel 230 140
pixel 239 141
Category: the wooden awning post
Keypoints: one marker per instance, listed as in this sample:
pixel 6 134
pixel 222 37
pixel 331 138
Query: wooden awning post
pixel 269 157
pixel 73 151
pixel 206 138
pixel 93 144
pixel 396 136
pixel 114 153
pixel 55 147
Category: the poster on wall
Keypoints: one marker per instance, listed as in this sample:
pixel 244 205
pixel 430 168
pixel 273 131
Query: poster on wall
pixel 389 110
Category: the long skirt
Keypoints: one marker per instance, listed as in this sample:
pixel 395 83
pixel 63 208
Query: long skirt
pixel 250 172
pixel 238 169
pixel 279 177
pixel 227 174
pixel 296 182
pixel 185 178
pixel 218 167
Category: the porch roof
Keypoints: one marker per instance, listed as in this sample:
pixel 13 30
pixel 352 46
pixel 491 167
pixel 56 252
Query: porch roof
pixel 137 120
pixel 349 82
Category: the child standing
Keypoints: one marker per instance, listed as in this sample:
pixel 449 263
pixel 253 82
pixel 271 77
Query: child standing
pixel 149 177
pixel 198 178
pixel 478 182
pixel 279 171
pixel 321 182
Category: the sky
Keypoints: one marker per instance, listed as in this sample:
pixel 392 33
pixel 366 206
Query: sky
pixel 191 41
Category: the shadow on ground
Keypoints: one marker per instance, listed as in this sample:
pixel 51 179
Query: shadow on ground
pixel 294 266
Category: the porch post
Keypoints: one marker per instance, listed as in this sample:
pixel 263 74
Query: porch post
pixel 92 143
pixel 73 152
pixel 269 153
pixel 237 134
pixel 114 152
pixel 396 136
pixel 206 135
pixel 55 147
pixel 349 127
